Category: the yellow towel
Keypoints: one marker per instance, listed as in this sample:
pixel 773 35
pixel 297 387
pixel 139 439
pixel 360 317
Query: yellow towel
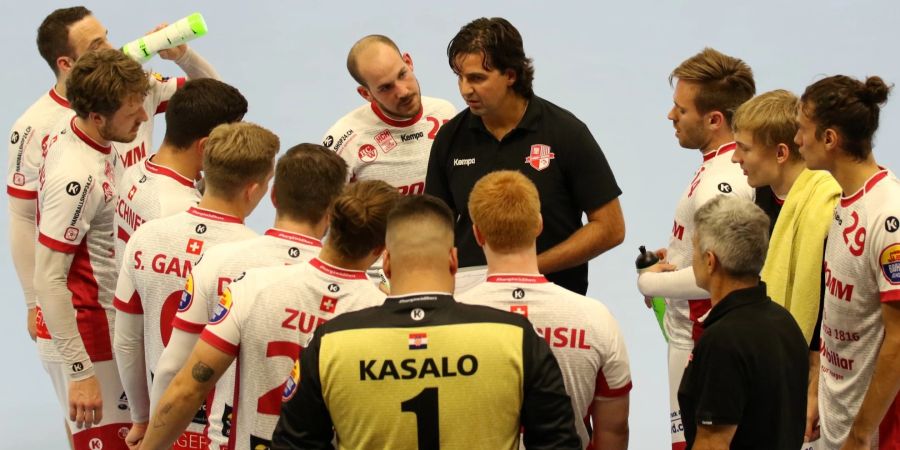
pixel 793 268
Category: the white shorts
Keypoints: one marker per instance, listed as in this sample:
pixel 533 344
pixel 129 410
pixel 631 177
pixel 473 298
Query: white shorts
pixel 110 433
pixel 678 359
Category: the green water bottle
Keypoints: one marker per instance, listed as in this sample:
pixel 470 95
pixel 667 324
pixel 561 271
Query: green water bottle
pixel 643 262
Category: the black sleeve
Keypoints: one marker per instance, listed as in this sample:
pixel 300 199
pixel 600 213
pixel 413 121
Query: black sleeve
pixel 590 178
pixel 305 422
pixel 721 381
pixel 815 341
pixel 547 417
pixel 436 181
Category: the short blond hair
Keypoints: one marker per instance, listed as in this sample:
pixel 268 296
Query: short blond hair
pixel 506 208
pixel 237 154
pixel 725 81
pixel 771 118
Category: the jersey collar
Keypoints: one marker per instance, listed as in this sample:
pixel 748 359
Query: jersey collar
pixel 87 139
pixel 869 184
pixel 213 215
pixel 295 237
pixel 725 148
pixel 58 98
pixel 328 269
pixel 166 172
pixel 516 278
pixel 396 123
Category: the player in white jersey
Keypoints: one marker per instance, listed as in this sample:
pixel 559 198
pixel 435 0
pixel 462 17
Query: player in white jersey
pixel 307 180
pixel 710 86
pixel 858 402
pixel 389 138
pixel 266 318
pixel 163 184
pixel 74 270
pixel 583 335
pixel 238 160
pixel 63 36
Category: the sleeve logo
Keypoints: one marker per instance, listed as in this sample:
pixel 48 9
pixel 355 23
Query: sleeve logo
pixel 71 234
pixel 73 188
pixel 328 141
pixel 223 308
pixel 187 296
pixel 725 188
pixel 292 383
pixel 891 224
pixel 14 138
pixel 890 263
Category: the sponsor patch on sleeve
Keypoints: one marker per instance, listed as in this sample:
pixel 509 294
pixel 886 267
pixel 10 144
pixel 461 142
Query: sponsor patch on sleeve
pixel 159 77
pixel 187 296
pixel 890 263
pixel 223 308
pixel 292 383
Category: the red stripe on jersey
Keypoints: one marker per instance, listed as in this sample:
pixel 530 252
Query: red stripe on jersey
pixel 219 343
pixel 516 279
pixel 337 272
pixel 162 107
pixel 679 446
pixel 295 237
pixel 92 321
pixel 167 172
pixel 890 296
pixel 212 215
pixel 602 388
pixel 847 201
pixel 21 193
pixel 889 429
pixel 108 435
pixel 720 151
pixel 88 140
pixel 396 123
pixel 123 235
pixel 58 98
pixel 53 244
pixel 698 309
pixel 188 327
pixel 132 306
pixel 40 325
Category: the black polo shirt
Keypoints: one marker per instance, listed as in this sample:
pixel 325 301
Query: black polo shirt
pixel 749 369
pixel 770 204
pixel 552 148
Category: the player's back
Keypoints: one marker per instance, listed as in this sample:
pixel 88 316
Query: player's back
pixel 148 191
pixel 29 134
pixel 377 147
pixel 424 371
pixel 582 334
pixel 159 258
pixel 265 318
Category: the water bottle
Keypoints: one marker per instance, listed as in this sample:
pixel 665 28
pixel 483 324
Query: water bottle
pixel 184 30
pixel 643 262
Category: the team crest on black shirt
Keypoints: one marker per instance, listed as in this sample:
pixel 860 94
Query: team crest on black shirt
pixel 540 156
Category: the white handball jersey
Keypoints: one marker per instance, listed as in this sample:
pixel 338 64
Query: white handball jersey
pixel 581 332
pixel 377 147
pixel 149 191
pixel 265 319
pixel 716 176
pixel 221 264
pixel 29 134
pixel 76 189
pixel 862 271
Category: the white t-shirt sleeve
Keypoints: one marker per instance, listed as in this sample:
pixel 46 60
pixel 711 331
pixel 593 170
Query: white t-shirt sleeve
pixel 193 312
pixel 614 377
pixel 885 243
pixel 224 329
pixel 66 207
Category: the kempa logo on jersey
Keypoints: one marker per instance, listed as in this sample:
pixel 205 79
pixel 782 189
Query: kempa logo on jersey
pixel 412 136
pixel 81 200
pixel 14 138
pixel 463 162
pixel 373 369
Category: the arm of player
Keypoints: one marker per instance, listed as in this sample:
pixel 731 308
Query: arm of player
pixel 604 230
pixel 610 418
pixel 547 416
pixel 195 66
pixel 22 236
pixel 885 382
pixel 129 347
pixel 173 358
pixel 305 421
pixel 51 270
pixel 184 396
pixel 714 437
pixel 677 285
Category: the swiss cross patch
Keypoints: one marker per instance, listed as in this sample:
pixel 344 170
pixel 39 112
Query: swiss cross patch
pixel 194 246
pixel 540 156
pixel 328 304
pixel 519 309
pixel 385 140
pixel 131 192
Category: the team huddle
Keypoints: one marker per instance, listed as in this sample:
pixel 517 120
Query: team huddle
pixel 423 281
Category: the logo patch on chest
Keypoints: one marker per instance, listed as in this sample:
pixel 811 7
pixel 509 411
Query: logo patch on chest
pixel 540 157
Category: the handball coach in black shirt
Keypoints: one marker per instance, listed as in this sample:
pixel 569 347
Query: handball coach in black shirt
pixel 423 371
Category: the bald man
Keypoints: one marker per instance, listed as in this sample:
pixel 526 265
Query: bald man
pixel 432 373
pixel 389 138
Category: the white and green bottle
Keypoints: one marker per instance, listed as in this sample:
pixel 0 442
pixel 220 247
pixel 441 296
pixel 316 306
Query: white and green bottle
pixel 189 28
